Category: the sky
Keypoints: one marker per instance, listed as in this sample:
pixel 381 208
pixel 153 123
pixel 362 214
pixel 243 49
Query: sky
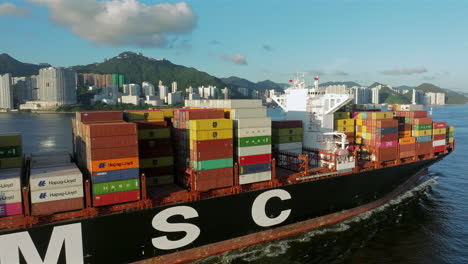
pixel 397 42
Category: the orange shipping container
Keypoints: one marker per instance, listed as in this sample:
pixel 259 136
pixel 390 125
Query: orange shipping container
pixel 114 164
pixel 404 134
pixel 407 140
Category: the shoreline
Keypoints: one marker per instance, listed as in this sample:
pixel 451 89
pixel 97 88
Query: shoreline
pixel 36 112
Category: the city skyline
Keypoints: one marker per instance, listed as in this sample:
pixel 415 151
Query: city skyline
pixel 392 42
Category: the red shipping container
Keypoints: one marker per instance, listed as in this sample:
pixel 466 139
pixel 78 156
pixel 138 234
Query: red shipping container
pixel 52 207
pixel 381 138
pixel 437 125
pixel 404 127
pixel 407 154
pixel 254 159
pixel 214 153
pixel 423 148
pixel 421 121
pixel 112 153
pixel 116 198
pixel 286 124
pixel 411 114
pixel 386 154
pixel 213 179
pixel 407 147
pixel 99 116
pixel 160 171
pixel 151 125
pixel 439 148
pixel 438 137
pixel 109 129
pixel 381 123
pixel 207 145
pixel 111 142
pixel 196 114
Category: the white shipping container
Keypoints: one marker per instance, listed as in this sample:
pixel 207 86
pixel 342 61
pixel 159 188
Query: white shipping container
pixel 440 142
pixel 10 197
pixel 255 177
pixel 252 122
pixel 55 177
pixel 10 179
pixel 255 150
pixel 248 113
pixel 287 146
pixel 56 194
pixel 252 132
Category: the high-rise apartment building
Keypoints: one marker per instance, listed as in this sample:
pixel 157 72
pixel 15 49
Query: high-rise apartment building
pixel 362 95
pixel 6 92
pixel 57 85
pixel 148 89
pixel 376 94
pixel 174 87
pixel 163 91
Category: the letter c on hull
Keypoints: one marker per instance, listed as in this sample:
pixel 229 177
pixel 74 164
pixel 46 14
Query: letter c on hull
pixel 160 223
pixel 258 208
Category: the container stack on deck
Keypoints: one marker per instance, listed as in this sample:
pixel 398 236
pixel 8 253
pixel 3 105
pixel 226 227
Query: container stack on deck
pixel 439 136
pixel 287 136
pixel 345 124
pixel 11 161
pixel 450 134
pixel 421 129
pixel 107 149
pixel 56 184
pixel 154 146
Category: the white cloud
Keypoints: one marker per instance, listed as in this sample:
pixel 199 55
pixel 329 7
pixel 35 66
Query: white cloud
pixel 122 22
pixel 341 73
pixel 315 72
pixel 405 71
pixel 10 9
pixel 239 59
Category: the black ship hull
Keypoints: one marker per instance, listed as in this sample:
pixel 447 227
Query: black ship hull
pixel 137 235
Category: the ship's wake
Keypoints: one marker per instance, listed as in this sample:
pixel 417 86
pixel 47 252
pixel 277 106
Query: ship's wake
pixel 394 208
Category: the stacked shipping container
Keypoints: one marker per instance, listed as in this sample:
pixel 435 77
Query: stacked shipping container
pixel 439 135
pixel 345 124
pixel 11 161
pixel 287 136
pixel 154 146
pixel 421 129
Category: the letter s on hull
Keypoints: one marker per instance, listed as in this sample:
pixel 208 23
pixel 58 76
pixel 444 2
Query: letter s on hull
pixel 258 208
pixel 160 223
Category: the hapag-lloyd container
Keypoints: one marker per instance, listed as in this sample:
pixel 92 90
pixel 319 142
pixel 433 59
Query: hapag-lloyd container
pixel 56 194
pixel 252 122
pixel 10 179
pixel 10 197
pixel 117 186
pixel 116 198
pixel 11 209
pixel 98 116
pixel 55 177
pixel 116 175
pixel 109 129
pixel 255 177
pixel 252 132
pixel 47 208
pixel 113 164
pixel 255 150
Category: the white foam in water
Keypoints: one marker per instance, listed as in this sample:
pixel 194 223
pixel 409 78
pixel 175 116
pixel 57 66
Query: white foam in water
pixel 280 247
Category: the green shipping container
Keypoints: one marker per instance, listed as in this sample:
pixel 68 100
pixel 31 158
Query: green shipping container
pixel 212 164
pixel 156 162
pixel 9 152
pixel 154 133
pixel 450 134
pixel 422 127
pixel 287 139
pixel 287 131
pixel 253 141
pixel 10 139
pixel 116 186
pixel 407 120
pixel 7 163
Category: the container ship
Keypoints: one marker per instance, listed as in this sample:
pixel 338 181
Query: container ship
pixel 172 185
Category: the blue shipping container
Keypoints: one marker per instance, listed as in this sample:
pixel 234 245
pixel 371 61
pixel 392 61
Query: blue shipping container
pixel 115 175
pixel 255 168
pixel 423 139
pixel 387 130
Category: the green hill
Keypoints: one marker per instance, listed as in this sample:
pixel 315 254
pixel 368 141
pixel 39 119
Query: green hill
pixel 236 82
pixel 348 84
pixel 17 68
pixel 139 68
pixel 452 97
pixel 389 96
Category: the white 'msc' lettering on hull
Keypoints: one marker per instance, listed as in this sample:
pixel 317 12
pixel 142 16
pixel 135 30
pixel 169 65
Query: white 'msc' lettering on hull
pixel 193 232
pixel 12 244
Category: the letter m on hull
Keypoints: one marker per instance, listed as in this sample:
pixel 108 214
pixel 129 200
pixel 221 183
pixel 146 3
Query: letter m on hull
pixel 12 245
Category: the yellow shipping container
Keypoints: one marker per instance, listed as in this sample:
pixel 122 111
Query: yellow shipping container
pixel 450 140
pixel 451 129
pixel 404 134
pixel 407 140
pixel 380 115
pixel 358 134
pixel 421 133
pixel 210 134
pixel 358 140
pixel 358 122
pixel 210 124
pixel 439 131
pixel 138 116
pixel 154 133
pixel 345 128
pixel 345 122
pixel 341 115
pixel 168 112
